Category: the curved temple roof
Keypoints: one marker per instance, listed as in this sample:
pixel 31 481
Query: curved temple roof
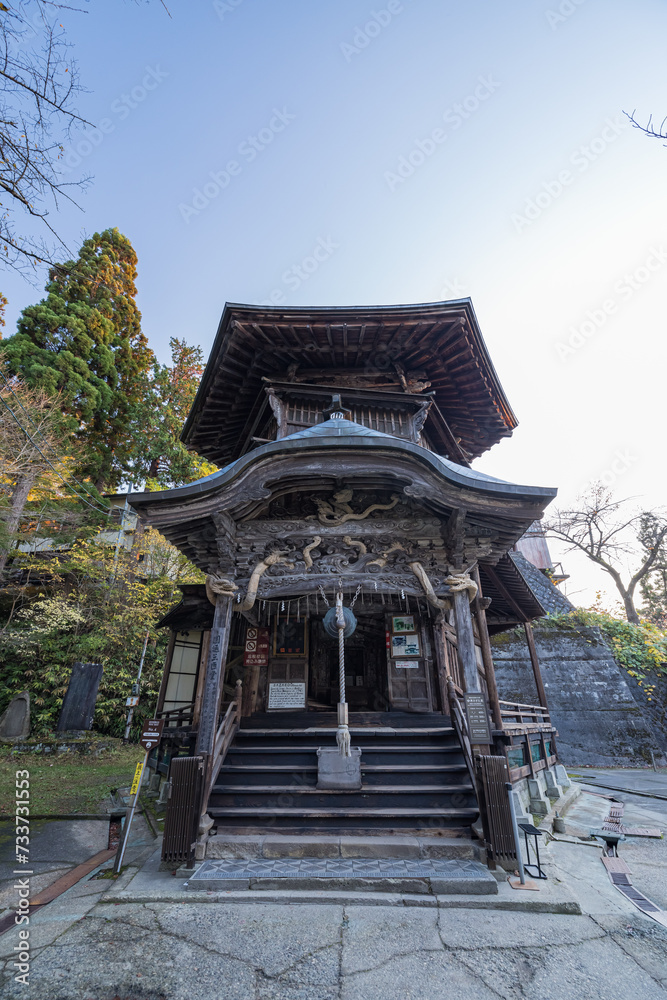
pixel 336 433
pixel 439 342
pixel 329 452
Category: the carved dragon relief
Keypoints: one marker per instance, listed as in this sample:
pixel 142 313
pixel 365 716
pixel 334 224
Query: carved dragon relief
pixel 284 564
pixel 351 558
pixel 339 510
pixel 277 563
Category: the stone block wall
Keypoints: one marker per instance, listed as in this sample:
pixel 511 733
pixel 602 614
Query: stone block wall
pixel 599 721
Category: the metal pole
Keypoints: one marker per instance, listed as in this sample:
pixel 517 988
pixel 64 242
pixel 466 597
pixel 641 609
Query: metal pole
pixel 128 819
pixel 126 507
pixel 130 714
pixel 515 830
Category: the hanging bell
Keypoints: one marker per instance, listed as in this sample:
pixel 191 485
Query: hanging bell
pixel 330 627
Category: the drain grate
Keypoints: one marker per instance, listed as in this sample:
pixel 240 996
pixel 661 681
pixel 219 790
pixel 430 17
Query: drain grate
pixel 619 876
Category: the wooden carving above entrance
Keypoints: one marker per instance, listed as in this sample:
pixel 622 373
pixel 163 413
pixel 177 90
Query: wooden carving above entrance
pixel 338 510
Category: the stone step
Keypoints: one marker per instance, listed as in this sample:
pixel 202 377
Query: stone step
pixel 304 755
pixel 309 845
pixel 429 876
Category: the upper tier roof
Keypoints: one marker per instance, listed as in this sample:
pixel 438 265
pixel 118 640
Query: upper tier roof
pixel 439 341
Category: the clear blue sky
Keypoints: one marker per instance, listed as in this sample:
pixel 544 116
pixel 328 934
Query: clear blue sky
pixel 520 184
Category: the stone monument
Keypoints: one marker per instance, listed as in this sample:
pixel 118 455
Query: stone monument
pixel 79 701
pixel 15 720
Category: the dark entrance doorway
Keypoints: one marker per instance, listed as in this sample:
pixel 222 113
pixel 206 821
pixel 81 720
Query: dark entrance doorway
pixel 365 667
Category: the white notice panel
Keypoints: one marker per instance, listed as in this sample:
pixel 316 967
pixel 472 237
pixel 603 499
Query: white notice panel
pixel 287 694
pixel 406 664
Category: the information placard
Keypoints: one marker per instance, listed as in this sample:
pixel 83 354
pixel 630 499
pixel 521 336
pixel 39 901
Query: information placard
pixel 478 717
pixel 151 733
pixel 287 694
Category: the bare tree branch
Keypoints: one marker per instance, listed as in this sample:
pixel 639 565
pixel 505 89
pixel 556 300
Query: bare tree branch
pixel 648 129
pixel 39 83
pixel 595 528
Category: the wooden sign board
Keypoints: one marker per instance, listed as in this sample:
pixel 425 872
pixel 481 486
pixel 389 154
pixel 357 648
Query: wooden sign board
pixel 256 652
pixel 478 717
pixel 151 733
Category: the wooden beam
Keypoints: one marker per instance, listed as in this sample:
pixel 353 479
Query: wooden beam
pixel 465 640
pixel 201 676
pixel 487 655
pixel 441 664
pixel 217 655
pixel 454 535
pixel 537 673
pixel 490 572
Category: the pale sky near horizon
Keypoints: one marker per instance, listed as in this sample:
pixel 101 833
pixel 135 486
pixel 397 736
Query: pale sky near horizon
pixel 432 150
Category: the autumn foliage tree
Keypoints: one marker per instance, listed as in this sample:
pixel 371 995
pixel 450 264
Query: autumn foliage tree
pixel 24 457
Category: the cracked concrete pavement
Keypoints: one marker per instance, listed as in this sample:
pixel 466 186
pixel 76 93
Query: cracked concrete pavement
pixel 266 951
pixel 90 945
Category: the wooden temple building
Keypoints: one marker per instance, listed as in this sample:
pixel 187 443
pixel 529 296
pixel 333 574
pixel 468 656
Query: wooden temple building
pixel 344 438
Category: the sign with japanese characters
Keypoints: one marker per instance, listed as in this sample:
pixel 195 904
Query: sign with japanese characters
pixel 478 717
pixel 256 652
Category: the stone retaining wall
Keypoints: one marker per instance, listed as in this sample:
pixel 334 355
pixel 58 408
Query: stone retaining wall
pixel 591 704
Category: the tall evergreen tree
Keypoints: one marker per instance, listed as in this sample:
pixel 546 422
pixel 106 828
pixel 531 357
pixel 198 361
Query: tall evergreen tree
pixel 84 341
pixel 161 459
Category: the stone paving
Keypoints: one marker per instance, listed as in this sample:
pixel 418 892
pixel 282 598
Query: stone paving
pixel 438 875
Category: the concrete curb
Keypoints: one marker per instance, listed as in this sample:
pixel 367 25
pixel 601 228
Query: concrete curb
pixel 618 788
pixel 507 899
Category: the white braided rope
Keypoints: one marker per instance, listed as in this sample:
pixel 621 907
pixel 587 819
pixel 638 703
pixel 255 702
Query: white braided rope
pixel 341 662
pixel 343 741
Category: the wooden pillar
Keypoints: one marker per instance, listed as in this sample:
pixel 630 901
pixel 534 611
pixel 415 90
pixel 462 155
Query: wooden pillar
pixel 487 656
pixel 201 677
pixel 250 691
pixel 537 673
pixel 465 639
pixel 217 655
pixel 441 664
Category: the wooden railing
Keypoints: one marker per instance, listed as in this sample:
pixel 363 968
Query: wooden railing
pixel 460 724
pixel 524 718
pixel 178 717
pixel 226 732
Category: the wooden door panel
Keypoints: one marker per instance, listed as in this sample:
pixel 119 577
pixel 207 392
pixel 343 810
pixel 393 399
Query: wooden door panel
pixel 409 687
